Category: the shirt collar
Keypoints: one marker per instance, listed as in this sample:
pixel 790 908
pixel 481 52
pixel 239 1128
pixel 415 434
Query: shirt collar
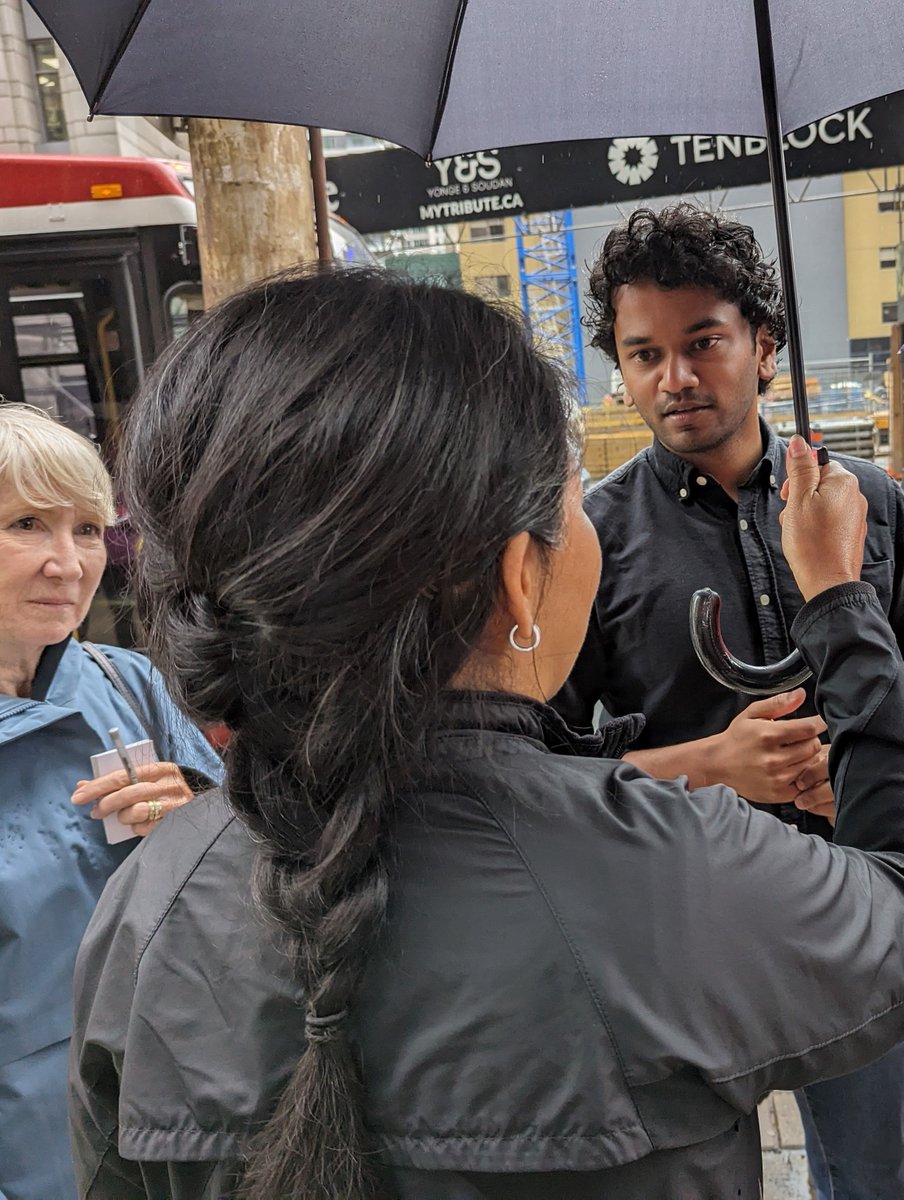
pixel 683 480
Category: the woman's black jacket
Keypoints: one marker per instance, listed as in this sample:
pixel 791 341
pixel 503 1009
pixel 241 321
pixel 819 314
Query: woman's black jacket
pixel 587 980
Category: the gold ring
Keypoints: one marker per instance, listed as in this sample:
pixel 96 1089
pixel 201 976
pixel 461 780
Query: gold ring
pixel 155 809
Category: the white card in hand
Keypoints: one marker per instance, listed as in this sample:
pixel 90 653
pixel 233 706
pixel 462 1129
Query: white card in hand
pixel 141 754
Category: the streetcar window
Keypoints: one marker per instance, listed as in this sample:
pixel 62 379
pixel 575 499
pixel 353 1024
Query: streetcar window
pixel 64 392
pixel 44 333
pixel 183 304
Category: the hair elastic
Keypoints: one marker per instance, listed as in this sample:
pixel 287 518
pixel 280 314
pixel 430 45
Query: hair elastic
pixel 324 1029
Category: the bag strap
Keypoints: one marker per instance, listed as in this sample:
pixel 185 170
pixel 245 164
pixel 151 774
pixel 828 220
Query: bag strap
pixel 95 653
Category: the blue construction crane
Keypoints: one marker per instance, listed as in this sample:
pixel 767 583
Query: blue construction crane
pixel 549 288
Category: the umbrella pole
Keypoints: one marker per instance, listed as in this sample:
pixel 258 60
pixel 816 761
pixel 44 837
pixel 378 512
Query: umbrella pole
pixel 782 216
pixel 706 633
pixel 321 203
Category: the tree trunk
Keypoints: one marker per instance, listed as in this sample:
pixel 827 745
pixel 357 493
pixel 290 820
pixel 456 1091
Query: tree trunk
pixel 255 207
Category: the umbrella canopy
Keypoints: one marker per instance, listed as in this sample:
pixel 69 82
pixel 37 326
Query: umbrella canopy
pixel 446 76
pixel 443 77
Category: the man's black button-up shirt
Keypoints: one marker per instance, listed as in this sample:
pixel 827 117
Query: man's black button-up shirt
pixel 666 530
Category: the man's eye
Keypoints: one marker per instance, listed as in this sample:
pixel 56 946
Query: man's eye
pixel 642 356
pixel 706 343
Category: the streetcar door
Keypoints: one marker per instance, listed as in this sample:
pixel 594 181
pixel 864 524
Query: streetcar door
pixel 71 337
pixel 74 341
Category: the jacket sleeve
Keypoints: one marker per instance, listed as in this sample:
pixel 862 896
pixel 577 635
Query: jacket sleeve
pixel 102 1173
pixel 896 519
pixel 117 1179
pixel 160 1181
pixel 810 935
pixel 140 1035
pixel 853 654
pixel 95 1057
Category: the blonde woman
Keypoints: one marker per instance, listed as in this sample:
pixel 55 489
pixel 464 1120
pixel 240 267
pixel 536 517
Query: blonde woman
pixel 57 705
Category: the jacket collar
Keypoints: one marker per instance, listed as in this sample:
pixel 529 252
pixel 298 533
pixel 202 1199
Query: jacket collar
pixel 49 664
pixel 53 695
pixel 503 712
pixel 685 481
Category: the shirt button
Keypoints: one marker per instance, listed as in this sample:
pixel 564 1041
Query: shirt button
pixel 772 480
pixel 683 493
pixel 764 599
pixel 743 523
pixel 702 480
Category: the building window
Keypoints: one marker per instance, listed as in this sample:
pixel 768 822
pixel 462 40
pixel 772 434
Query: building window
pixel 890 312
pixel 499 286
pixel 487 231
pixel 47 75
pixel 874 348
pixel 892 201
pixel 888 257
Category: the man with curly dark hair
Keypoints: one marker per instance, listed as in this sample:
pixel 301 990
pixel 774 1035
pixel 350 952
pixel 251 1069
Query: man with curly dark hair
pixel 686 305
pixel 682 247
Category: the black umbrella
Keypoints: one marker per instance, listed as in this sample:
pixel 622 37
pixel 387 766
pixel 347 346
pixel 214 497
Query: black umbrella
pixel 444 77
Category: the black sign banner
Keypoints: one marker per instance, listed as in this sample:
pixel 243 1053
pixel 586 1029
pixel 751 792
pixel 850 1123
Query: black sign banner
pixel 394 189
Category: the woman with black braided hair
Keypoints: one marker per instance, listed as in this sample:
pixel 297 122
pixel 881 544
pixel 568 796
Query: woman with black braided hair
pixel 500 962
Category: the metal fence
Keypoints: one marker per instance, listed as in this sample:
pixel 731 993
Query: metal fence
pixel 869 372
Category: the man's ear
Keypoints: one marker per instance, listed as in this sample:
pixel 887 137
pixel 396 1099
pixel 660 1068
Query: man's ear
pixel 627 399
pixel 766 353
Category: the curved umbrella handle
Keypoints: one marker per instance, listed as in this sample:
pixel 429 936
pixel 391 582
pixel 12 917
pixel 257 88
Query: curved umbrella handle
pixel 714 655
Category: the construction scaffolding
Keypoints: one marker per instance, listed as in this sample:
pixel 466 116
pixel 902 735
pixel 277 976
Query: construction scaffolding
pixel 549 288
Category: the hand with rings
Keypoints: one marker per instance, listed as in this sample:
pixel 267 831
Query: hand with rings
pixel 161 787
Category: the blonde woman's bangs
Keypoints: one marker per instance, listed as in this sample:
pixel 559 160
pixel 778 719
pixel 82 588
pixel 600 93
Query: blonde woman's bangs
pixel 49 465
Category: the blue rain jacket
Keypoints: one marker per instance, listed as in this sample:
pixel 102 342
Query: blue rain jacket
pixel 54 862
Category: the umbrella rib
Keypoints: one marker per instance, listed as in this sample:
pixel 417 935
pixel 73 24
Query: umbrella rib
pixel 120 51
pixel 447 73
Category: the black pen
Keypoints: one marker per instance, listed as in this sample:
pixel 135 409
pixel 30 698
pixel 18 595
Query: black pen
pixel 120 747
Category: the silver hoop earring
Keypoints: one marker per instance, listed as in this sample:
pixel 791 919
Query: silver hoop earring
pixel 535 639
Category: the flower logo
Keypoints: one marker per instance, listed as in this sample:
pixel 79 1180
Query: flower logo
pixel 633 160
